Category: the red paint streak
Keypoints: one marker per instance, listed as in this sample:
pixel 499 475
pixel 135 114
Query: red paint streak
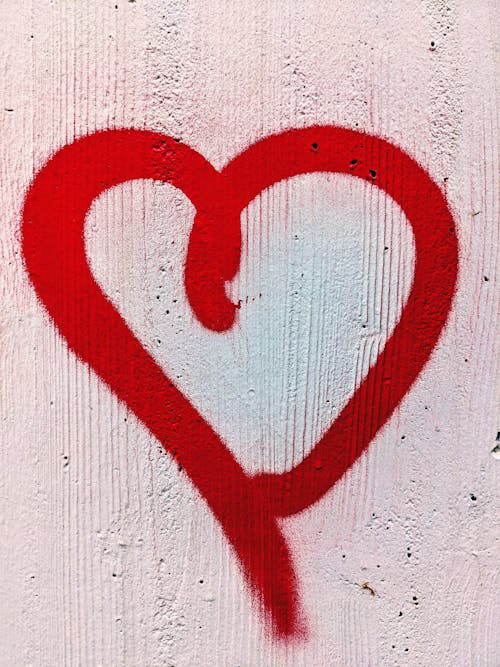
pixel 54 253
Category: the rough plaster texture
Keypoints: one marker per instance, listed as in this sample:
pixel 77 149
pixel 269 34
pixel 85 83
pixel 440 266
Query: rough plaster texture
pixel 108 555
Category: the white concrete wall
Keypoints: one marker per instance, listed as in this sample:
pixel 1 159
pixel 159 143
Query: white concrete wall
pixel 108 556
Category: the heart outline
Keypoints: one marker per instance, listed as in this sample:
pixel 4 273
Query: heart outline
pixel 54 255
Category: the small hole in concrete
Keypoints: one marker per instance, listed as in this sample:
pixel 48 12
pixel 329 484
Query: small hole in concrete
pixel 495 452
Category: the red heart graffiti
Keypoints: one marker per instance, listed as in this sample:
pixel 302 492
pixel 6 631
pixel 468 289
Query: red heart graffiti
pixel 54 252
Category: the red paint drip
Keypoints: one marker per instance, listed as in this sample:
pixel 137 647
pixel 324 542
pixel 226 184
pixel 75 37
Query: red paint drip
pixel 54 252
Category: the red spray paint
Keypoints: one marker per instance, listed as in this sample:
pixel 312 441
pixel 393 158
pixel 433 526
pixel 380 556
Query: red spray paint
pixel 54 253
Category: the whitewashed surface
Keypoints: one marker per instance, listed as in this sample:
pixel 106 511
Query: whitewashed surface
pixel 108 557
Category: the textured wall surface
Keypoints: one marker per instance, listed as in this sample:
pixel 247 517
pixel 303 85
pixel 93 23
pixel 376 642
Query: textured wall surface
pixel 108 554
